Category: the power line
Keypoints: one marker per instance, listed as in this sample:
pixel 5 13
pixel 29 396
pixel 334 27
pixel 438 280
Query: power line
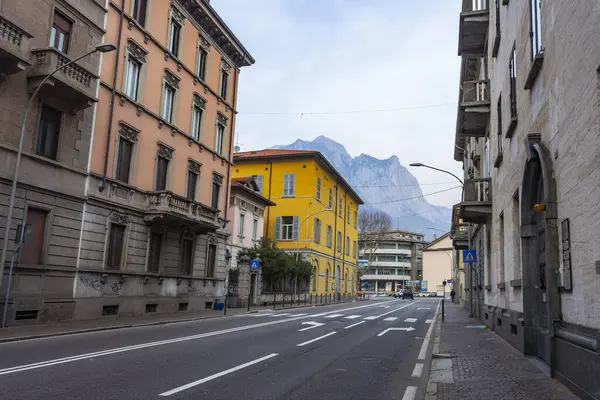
pixel 399 186
pixel 412 198
pixel 301 114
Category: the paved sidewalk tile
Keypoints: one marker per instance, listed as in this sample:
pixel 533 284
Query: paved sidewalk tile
pixel 486 367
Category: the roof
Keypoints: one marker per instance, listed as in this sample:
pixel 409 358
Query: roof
pixel 436 241
pixel 270 154
pixel 248 185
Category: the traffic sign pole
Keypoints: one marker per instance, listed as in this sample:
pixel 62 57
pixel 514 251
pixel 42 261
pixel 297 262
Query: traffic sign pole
pixel 443 298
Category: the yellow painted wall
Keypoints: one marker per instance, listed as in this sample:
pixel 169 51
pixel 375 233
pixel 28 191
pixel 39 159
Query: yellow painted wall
pixel 305 205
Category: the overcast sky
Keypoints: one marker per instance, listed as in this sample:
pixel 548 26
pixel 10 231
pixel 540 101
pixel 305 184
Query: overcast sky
pixel 332 56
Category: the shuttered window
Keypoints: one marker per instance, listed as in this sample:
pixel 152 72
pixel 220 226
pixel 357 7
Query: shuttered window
pixel 114 253
pixel 211 259
pixel 32 253
pixel 161 173
pixel 289 183
pixel 286 228
pixel 124 160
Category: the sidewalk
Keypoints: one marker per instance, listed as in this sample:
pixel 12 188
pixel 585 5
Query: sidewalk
pixel 472 362
pixel 15 333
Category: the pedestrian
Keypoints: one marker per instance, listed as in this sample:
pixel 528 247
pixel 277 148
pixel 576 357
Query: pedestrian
pixel 452 294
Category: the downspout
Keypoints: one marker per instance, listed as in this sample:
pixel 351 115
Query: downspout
pixel 269 208
pixel 230 161
pixel 334 231
pixel 112 98
pixel 345 212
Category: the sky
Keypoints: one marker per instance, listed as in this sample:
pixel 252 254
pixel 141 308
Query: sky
pixel 344 59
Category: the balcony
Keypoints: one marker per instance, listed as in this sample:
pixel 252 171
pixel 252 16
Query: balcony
pixel 376 277
pixel 474 109
pixel 473 28
pixel 171 209
pixel 73 87
pixel 460 238
pixel 14 48
pixel 477 204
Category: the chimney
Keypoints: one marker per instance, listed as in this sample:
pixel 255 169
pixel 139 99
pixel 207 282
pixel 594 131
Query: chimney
pixel 434 236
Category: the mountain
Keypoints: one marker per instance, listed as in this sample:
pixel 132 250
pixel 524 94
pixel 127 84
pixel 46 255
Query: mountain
pixel 382 183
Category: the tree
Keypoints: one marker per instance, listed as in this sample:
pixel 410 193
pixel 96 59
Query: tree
pixel 372 227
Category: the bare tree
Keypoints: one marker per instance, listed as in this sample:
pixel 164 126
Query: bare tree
pixel 372 227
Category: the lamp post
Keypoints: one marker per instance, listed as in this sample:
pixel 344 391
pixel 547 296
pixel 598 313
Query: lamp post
pixel 300 227
pixel 102 48
pixel 418 164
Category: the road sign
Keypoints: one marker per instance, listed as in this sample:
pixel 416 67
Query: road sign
pixel 254 264
pixel 470 256
pixel 449 281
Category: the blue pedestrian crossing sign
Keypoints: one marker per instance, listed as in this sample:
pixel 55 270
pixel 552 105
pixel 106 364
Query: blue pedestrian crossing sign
pixel 255 264
pixel 469 256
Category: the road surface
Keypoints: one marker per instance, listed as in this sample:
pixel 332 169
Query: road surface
pixel 374 349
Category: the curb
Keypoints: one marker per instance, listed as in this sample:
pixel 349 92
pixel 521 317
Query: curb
pixel 432 387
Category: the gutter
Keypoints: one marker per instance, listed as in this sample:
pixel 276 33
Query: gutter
pixel 226 207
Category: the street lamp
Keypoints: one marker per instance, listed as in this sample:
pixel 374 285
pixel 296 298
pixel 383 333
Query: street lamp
pixel 300 227
pixel 418 164
pixel 102 48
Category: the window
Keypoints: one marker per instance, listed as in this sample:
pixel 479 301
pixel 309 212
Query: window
pixel 318 188
pixel 341 207
pixel 162 167
pixel 354 249
pixel 139 11
pixel 513 83
pixel 327 280
pixel 174 33
pixel 187 255
pixel 132 77
pixel 286 228
pixel 33 249
pixel 386 258
pixel 289 184
pixel 241 226
pixel 536 28
pixel 154 252
pixel 216 191
pixel 167 103
pixel 499 112
pixel 347 245
pixel 487 166
pixel 219 138
pixel 114 253
pixel 516 236
pixel 330 198
pixel 124 160
pixel 60 33
pixel 48 134
pixel 197 113
pixel 255 229
pixel 224 81
pixel 355 218
pixel 211 260
pixel 259 182
pixel 348 214
pixel 317 232
pixel 338 244
pixel 201 67
pixel 501 246
pixel 329 236
pixel 192 182
pixel 387 246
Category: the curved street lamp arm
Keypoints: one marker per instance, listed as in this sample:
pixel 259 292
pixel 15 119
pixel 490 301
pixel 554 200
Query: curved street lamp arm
pixel 447 172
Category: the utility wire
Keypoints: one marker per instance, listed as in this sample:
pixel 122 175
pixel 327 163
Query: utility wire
pixel 400 186
pixel 412 198
pixel 301 114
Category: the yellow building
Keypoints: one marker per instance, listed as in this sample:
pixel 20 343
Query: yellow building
pixel 316 213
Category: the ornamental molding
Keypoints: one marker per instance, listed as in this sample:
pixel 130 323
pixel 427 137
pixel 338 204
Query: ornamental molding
pixel 165 152
pixel 203 43
pixel 194 166
pixel 221 119
pixel 225 66
pixel 118 218
pixel 199 101
pixel 177 15
pixel 128 132
pixel 136 51
pixel 172 79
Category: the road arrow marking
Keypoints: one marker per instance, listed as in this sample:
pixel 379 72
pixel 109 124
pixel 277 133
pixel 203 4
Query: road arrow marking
pixel 312 325
pixel 352 316
pixel 390 319
pixel 410 320
pixel 334 315
pixel 410 328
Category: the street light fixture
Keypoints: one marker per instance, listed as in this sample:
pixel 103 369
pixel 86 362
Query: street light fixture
pixel 101 48
pixel 418 164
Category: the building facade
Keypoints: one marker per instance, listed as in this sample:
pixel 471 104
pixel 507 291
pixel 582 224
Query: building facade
pixel 35 39
pixel 316 214
pixel 527 134
pixel 247 219
pixel 439 265
pixel 393 262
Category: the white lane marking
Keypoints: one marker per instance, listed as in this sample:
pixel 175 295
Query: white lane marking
pixel 428 321
pixel 353 325
pixel 352 316
pixel 371 318
pixel 312 325
pixel 315 339
pixel 215 376
pixel 424 308
pixel 299 315
pixel 417 371
pixel 390 319
pixel 389 312
pixel 423 351
pixel 280 315
pixel 334 315
pixel 64 360
pixel 410 320
pixel 410 393
pixel 410 328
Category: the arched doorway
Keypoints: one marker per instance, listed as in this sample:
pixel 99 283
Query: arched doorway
pixel 539 241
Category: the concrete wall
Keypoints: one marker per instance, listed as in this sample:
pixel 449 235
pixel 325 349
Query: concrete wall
pixel 438 264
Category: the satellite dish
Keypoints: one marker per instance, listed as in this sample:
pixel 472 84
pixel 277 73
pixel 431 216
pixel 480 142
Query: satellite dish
pixel 236 149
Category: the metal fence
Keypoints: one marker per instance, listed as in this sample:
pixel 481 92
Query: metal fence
pixel 282 300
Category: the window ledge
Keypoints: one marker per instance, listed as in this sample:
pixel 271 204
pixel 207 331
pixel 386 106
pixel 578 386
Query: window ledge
pixel 534 71
pixel 502 285
pixel 504 2
pixel 511 127
pixel 498 160
pixel 515 283
pixel 488 287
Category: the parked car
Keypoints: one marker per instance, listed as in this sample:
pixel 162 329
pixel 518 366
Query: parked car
pixel 408 294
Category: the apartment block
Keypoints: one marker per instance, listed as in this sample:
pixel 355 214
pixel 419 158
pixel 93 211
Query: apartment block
pixel 527 134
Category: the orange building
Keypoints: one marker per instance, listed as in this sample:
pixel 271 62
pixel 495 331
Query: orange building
pixel 154 232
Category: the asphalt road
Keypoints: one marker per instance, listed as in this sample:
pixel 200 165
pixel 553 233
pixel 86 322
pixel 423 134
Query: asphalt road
pixel 366 350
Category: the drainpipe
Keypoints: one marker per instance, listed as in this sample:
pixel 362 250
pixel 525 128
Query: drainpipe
pixel 231 145
pixel 112 98
pixel 269 207
pixel 344 249
pixel 334 230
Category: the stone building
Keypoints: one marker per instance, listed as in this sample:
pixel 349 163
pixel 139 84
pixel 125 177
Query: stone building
pixel 35 39
pixel 527 135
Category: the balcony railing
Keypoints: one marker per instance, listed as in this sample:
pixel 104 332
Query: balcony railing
pixel 14 47
pixel 474 22
pixel 474 111
pixel 475 92
pixel 478 189
pixel 168 202
pixel 460 238
pixel 477 204
pixel 74 84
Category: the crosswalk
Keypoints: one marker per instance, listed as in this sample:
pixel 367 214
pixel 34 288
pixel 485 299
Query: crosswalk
pixel 334 316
